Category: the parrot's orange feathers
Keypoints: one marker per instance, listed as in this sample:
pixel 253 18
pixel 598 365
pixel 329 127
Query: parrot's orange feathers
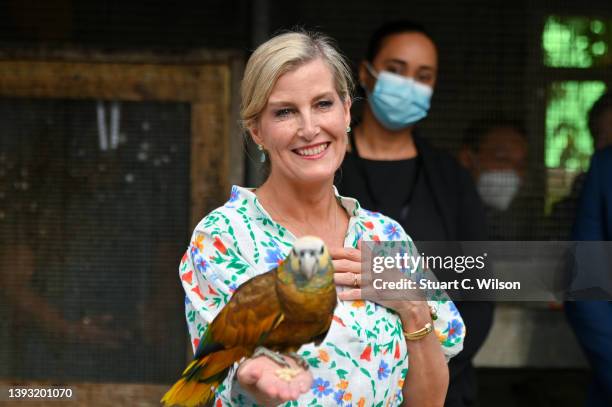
pixel 253 311
pixel 282 309
pixel 188 393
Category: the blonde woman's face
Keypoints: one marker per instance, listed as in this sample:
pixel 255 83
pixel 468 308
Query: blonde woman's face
pixel 303 126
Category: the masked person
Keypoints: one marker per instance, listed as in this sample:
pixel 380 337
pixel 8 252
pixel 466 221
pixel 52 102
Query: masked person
pixel 495 152
pixel 390 169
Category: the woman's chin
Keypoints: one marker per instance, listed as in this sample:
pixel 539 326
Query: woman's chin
pixel 316 175
pixel 308 172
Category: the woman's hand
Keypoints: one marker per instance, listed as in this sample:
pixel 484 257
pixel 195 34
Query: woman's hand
pixel 347 264
pixel 259 377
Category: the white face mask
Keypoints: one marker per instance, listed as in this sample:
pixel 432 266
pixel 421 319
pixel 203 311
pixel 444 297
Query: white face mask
pixel 498 188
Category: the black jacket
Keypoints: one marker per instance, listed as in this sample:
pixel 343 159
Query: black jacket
pixel 455 195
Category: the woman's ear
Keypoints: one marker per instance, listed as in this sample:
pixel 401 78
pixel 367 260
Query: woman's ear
pixel 254 132
pixel 365 77
pixel 347 110
pixel 466 158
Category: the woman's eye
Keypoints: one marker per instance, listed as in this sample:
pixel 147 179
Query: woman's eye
pixel 424 79
pixel 325 104
pixel 393 69
pixel 283 112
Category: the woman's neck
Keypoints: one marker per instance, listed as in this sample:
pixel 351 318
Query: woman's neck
pixel 304 206
pixel 375 142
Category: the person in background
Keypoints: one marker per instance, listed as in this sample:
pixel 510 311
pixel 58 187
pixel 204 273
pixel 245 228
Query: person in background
pixel 563 212
pixel 495 152
pixel 600 121
pixel 392 170
pixel 592 320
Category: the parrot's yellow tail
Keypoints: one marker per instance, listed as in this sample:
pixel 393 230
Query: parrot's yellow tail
pixel 190 393
pixel 201 378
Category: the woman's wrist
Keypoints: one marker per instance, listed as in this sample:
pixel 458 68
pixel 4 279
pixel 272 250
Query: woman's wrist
pixel 415 316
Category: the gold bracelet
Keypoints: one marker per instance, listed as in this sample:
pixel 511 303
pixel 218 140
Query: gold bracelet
pixel 421 333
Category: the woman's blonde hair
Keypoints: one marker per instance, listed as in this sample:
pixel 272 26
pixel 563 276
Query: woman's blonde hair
pixel 284 53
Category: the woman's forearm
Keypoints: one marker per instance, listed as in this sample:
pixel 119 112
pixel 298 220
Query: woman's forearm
pixel 427 379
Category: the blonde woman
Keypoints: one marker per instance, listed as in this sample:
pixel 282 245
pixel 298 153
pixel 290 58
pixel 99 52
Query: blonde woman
pixel 296 99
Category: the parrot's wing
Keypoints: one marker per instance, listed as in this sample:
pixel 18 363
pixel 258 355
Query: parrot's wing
pixel 252 312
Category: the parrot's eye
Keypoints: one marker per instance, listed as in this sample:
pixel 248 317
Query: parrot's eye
pixel 322 248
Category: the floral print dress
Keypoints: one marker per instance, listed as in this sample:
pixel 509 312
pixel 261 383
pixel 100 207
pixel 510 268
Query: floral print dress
pixel 363 361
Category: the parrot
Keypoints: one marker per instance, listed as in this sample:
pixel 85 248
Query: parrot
pixel 275 312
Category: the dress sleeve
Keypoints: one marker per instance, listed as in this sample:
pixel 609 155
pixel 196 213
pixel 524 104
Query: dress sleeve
pixel 213 267
pixel 211 270
pixel 449 326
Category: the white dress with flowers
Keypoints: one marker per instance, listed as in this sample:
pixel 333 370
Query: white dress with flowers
pixel 363 360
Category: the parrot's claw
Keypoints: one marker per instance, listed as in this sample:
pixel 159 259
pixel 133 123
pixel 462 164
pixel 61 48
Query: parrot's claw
pixel 299 360
pixel 275 356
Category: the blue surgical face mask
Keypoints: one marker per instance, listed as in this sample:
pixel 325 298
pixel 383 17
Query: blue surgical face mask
pixel 396 101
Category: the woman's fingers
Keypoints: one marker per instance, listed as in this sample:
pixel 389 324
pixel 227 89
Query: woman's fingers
pixel 348 279
pixel 346 266
pixel 350 295
pixel 282 391
pixel 300 384
pixel 303 384
pixel 248 373
pixel 345 253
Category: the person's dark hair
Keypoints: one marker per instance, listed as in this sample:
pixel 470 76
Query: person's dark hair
pixel 599 107
pixel 475 132
pixel 391 28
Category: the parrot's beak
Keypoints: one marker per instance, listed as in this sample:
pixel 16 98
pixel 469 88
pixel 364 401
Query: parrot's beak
pixel 308 265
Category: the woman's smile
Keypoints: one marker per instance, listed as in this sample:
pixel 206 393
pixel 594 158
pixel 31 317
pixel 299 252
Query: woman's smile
pixel 312 152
